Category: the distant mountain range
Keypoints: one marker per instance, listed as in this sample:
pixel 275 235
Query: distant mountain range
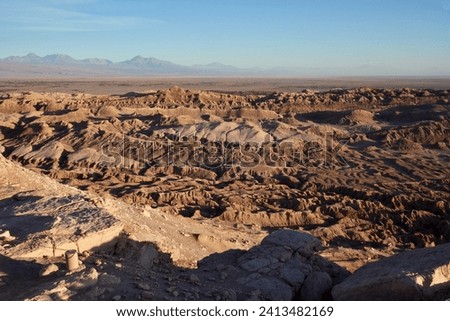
pixel 59 65
pixel 64 66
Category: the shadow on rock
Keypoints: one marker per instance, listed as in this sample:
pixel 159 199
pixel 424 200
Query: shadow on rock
pixel 15 275
pixel 284 266
pixel 421 274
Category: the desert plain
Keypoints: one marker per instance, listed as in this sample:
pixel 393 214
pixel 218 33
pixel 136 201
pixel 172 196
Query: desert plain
pixel 225 189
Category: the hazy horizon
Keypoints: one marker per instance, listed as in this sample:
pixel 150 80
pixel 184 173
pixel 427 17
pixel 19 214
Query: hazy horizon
pixel 366 38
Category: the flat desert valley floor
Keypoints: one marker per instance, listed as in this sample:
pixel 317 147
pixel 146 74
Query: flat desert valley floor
pixel 225 189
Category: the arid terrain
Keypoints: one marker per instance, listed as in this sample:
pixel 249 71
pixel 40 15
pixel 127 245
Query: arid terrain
pixel 224 193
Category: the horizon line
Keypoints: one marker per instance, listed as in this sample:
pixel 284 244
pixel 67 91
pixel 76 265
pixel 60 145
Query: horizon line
pixel 283 71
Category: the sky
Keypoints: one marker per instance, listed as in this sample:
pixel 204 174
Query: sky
pixel 346 37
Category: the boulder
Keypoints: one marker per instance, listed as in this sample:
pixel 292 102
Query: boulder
pixel 421 274
pixel 48 270
pixel 283 267
pixel 85 280
pixel 147 255
pixel 108 280
pixel 255 264
pixel 272 289
pixel 316 285
pixel 292 275
pixel 302 242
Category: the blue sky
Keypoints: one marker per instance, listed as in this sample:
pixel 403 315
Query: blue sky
pixel 374 37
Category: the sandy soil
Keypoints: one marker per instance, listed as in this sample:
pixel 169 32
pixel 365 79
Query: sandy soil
pixel 196 172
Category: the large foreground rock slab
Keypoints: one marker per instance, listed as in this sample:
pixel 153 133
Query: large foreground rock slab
pixel 422 274
pixel 49 226
pixel 40 217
